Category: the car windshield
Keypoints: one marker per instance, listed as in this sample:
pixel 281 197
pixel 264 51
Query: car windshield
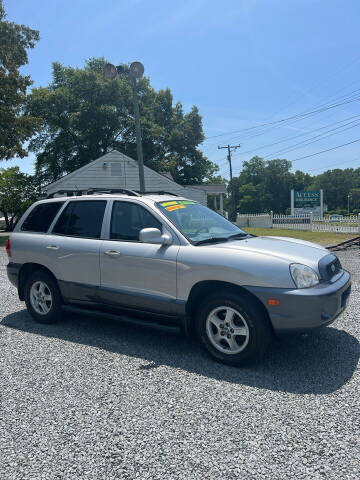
pixel 199 224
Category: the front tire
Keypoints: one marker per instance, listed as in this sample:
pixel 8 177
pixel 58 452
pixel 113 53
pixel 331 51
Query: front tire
pixel 233 328
pixel 42 297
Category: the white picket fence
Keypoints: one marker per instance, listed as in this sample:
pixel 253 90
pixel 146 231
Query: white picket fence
pixel 345 224
pixel 262 220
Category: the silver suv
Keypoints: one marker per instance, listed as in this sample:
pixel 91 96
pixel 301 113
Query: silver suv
pixel 169 259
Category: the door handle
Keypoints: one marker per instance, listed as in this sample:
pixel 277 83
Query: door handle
pixel 52 247
pixel 112 253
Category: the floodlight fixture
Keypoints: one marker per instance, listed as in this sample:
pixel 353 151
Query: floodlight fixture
pixel 137 69
pixel 110 71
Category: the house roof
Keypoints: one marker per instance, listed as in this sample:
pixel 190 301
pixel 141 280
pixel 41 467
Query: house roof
pixel 211 189
pixel 108 157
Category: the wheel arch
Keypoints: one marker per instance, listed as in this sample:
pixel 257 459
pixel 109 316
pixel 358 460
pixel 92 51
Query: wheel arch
pixel 207 288
pixel 26 270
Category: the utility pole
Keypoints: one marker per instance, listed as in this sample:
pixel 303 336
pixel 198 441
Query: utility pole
pixel 230 148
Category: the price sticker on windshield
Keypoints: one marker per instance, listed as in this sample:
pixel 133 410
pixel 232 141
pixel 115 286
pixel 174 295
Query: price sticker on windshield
pixel 171 208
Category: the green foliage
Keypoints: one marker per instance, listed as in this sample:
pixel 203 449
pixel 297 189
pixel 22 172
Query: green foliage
pixel 263 186
pixel 355 198
pixel 17 192
pixel 337 184
pixel 15 127
pixel 86 115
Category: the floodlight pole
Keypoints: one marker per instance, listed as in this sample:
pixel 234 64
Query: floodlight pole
pixel 136 70
pixel 138 135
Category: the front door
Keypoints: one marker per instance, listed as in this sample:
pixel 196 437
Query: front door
pixel 134 275
pixel 73 249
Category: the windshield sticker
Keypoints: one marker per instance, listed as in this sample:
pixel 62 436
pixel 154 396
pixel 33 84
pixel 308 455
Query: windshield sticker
pixel 171 208
pixel 177 202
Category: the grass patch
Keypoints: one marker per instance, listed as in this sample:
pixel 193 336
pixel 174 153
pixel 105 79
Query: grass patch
pixel 3 239
pixel 323 238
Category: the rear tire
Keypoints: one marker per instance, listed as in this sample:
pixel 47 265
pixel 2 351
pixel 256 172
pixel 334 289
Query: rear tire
pixel 233 328
pixel 42 297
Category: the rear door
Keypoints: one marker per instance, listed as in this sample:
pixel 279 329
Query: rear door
pixel 135 275
pixel 28 240
pixel 73 249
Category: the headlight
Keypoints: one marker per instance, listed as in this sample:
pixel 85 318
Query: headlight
pixel 303 276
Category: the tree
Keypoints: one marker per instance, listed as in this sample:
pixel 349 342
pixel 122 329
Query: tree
pixel 337 185
pixel 15 127
pixel 250 201
pixel 269 182
pixel 17 192
pixel 355 199
pixel 86 115
pixel 301 180
pixel 265 185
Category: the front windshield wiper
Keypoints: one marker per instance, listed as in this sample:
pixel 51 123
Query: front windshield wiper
pixel 238 235
pixel 211 240
pixel 221 239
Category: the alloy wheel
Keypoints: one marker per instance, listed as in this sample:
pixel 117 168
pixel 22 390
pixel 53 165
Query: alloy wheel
pixel 227 330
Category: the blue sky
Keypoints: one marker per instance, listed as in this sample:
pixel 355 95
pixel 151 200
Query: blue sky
pixel 241 62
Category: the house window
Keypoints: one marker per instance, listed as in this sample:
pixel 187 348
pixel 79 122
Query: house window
pixel 116 169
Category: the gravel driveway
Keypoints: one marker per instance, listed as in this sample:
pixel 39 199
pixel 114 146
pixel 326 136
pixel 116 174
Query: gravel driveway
pixel 92 399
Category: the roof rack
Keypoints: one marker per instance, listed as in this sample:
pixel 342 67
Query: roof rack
pixel 160 192
pixel 91 191
pixel 126 191
pixel 69 193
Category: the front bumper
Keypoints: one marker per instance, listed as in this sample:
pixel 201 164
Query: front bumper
pixel 302 310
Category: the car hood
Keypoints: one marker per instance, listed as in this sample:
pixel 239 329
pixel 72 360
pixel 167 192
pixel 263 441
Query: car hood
pixel 292 250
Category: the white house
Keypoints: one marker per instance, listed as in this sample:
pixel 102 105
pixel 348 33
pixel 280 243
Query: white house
pixel 116 170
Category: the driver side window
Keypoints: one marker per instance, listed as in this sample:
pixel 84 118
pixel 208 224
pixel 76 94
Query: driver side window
pixel 127 219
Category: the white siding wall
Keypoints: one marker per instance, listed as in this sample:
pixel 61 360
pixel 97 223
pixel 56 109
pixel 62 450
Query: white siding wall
pixel 125 175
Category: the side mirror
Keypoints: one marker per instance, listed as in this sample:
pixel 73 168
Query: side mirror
pixel 153 235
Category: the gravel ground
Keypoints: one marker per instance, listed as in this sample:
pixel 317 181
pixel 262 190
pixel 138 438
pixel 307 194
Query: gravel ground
pixel 92 399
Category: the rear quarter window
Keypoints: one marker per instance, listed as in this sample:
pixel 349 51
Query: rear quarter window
pixel 41 217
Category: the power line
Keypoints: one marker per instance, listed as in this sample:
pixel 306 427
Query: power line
pixel 315 139
pixel 284 139
pixel 343 68
pixel 324 151
pixel 268 129
pixel 323 108
pixel 327 150
pixel 334 164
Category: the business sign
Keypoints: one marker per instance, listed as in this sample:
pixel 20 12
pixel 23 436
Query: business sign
pixel 305 199
pixel 306 202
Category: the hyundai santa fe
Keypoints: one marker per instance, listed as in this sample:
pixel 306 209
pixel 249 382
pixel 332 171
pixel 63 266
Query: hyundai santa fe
pixel 170 259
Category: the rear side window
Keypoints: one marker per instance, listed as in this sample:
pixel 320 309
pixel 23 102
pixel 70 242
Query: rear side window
pixel 41 217
pixel 81 219
pixel 128 219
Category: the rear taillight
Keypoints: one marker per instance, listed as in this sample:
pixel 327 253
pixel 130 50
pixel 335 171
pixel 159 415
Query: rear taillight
pixel 8 248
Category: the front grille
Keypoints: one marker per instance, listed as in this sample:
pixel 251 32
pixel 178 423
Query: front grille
pixel 329 266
